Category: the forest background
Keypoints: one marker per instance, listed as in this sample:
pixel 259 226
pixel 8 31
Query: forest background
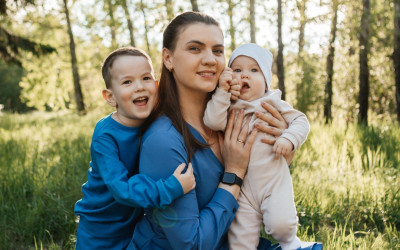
pixel 338 61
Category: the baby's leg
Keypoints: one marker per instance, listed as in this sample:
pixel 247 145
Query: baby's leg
pixel 279 213
pixel 244 233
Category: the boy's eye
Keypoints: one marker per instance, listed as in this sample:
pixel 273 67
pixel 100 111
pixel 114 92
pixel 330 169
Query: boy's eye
pixel 146 78
pixel 237 70
pixel 254 70
pixel 127 82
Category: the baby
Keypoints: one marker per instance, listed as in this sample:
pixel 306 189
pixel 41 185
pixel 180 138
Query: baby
pixel 267 194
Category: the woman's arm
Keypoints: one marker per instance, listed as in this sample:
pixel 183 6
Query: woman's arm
pixel 236 149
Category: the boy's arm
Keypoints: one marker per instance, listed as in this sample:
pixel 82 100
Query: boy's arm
pixel 216 113
pixel 138 190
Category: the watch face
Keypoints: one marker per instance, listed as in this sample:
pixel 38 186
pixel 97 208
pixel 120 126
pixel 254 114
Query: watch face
pixel 228 178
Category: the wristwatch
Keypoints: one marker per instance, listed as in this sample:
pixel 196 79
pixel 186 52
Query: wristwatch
pixel 231 179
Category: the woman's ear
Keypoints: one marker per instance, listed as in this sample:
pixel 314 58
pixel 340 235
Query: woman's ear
pixel 167 59
pixel 109 97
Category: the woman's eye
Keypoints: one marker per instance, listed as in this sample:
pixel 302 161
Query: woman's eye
pixel 146 78
pixel 194 49
pixel 218 52
pixel 127 82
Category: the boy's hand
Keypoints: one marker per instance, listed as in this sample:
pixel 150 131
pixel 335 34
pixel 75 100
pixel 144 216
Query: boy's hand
pixel 187 179
pixel 225 79
pixel 235 89
pixel 283 147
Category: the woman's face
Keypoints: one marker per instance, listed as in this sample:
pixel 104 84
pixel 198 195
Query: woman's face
pixel 198 58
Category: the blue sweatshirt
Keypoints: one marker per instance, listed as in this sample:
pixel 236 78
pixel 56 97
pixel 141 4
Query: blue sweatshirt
pixel 198 220
pixel 113 195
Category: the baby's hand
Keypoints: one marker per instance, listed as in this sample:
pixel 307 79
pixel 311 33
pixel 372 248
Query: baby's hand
pixel 283 147
pixel 235 89
pixel 225 79
pixel 186 180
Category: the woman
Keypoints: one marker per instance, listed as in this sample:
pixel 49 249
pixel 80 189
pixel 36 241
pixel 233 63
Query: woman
pixel 193 59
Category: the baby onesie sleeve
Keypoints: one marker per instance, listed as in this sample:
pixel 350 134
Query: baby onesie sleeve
pixel 216 113
pixel 299 126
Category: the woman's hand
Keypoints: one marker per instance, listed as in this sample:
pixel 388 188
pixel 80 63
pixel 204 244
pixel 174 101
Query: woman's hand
pixel 275 120
pixel 237 145
pixel 236 148
pixel 275 128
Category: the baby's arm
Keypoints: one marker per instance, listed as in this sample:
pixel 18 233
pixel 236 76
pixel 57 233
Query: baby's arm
pixel 216 113
pixel 138 190
pixel 282 147
pixel 298 128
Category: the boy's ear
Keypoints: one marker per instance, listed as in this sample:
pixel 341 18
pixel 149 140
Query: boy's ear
pixel 109 97
pixel 167 59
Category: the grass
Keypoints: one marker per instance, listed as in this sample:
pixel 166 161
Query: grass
pixel 345 177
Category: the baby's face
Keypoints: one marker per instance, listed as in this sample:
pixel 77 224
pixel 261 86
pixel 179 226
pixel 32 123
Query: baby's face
pixel 250 77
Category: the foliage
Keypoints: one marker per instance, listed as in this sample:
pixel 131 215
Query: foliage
pixel 10 89
pixel 346 181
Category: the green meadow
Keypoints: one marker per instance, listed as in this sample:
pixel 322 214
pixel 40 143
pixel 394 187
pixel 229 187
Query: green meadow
pixel 346 182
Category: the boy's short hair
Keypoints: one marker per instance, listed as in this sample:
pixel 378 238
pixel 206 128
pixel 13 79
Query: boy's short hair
pixel 124 51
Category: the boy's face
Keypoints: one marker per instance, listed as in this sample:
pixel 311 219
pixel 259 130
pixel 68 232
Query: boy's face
pixel 250 77
pixel 133 89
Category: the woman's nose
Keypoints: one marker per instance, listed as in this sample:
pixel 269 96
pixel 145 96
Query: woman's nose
pixel 209 58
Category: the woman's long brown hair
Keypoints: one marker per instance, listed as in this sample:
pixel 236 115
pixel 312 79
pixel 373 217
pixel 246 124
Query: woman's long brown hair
pixel 168 97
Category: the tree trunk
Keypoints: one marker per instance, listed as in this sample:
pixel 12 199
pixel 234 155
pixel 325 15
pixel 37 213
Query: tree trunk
pixel 195 6
pixel 252 21
pixel 110 9
pixel 231 5
pixel 75 73
pixel 329 65
pixel 364 70
pixel 170 9
pixel 301 6
pixel 129 21
pixel 146 28
pixel 396 53
pixel 279 59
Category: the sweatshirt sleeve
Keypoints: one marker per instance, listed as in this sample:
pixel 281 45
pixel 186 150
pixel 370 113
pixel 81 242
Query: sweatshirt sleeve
pixel 183 223
pixel 139 190
pixel 299 127
pixel 216 113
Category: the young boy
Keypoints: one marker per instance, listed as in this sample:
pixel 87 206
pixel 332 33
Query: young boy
pixel 266 195
pixel 114 192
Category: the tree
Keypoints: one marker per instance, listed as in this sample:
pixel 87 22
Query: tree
pixel 396 53
pixel 110 10
pixel 329 64
pixel 142 7
pixel 279 59
pixel 252 21
pixel 364 70
pixel 302 7
pixel 124 5
pixel 231 6
pixel 11 44
pixel 170 9
pixel 195 6
pixel 75 73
